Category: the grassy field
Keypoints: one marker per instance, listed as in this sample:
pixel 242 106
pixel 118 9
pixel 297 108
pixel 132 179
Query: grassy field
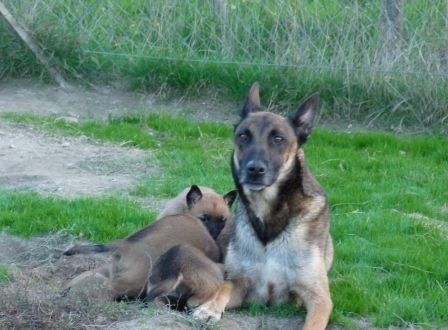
pixel 388 198
pixel 292 48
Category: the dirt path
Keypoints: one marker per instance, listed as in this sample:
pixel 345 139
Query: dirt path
pixel 72 167
pixel 29 96
pixel 67 166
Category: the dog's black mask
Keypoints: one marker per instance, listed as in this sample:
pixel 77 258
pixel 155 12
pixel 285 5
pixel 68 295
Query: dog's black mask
pixel 213 225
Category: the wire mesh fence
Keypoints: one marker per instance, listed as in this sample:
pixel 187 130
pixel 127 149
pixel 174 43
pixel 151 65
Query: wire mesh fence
pixel 343 38
pixel 326 34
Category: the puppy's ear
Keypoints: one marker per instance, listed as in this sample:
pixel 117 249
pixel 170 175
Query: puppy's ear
pixel 230 197
pixel 193 196
pixel 252 102
pixel 304 118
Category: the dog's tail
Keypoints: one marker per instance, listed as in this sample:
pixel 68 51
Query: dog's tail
pixel 95 248
pixel 164 288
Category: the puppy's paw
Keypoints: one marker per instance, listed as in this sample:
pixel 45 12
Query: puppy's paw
pixel 209 312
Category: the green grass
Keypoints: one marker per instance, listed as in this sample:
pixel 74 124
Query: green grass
pixel 388 198
pixel 98 219
pixel 3 274
pixel 292 47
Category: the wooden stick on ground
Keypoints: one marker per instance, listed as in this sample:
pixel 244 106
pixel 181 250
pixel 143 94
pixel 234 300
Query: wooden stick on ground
pixel 33 46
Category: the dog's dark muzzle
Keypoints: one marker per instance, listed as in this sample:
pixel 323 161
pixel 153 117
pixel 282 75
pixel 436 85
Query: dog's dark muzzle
pixel 254 174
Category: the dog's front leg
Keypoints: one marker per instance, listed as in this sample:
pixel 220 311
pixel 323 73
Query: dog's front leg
pixel 318 313
pixel 316 296
pixel 229 295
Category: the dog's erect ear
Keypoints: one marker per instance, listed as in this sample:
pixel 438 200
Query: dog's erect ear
pixel 304 118
pixel 193 196
pixel 253 103
pixel 230 197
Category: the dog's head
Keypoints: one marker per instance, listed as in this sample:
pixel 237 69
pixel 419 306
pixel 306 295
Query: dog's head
pixel 266 144
pixel 212 209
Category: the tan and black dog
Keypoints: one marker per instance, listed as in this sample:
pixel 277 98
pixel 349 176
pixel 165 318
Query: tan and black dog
pixel 133 258
pixel 280 248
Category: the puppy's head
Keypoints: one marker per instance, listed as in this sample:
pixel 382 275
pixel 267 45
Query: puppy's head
pixel 212 209
pixel 266 144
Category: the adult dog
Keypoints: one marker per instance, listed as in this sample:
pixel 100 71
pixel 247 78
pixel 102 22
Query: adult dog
pixel 280 247
pixel 134 257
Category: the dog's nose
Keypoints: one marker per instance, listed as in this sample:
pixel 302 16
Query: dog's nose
pixel 256 168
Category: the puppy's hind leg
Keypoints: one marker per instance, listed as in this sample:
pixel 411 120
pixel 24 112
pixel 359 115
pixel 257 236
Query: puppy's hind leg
pixel 163 288
pixel 101 274
pixel 93 283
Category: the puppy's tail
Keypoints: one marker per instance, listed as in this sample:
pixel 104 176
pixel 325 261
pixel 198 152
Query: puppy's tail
pixel 96 248
pixel 164 288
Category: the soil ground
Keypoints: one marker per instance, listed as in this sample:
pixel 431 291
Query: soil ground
pixel 72 167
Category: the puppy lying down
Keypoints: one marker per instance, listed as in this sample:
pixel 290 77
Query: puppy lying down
pixel 176 256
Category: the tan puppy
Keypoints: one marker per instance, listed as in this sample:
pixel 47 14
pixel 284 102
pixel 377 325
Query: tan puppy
pixel 178 205
pixel 133 258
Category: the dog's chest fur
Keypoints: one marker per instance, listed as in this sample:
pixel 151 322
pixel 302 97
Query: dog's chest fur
pixel 271 269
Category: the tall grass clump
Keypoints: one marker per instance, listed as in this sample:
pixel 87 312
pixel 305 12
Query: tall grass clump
pixel 15 59
pixel 292 48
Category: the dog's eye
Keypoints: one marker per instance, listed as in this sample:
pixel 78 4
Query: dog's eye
pixel 243 137
pixel 278 139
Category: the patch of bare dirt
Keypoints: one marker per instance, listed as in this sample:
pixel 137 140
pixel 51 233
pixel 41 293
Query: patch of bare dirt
pixel 67 166
pixel 231 321
pixel 30 96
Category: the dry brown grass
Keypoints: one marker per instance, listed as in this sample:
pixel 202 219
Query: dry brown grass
pixel 33 295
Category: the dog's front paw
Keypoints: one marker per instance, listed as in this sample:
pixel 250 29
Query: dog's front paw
pixel 209 312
